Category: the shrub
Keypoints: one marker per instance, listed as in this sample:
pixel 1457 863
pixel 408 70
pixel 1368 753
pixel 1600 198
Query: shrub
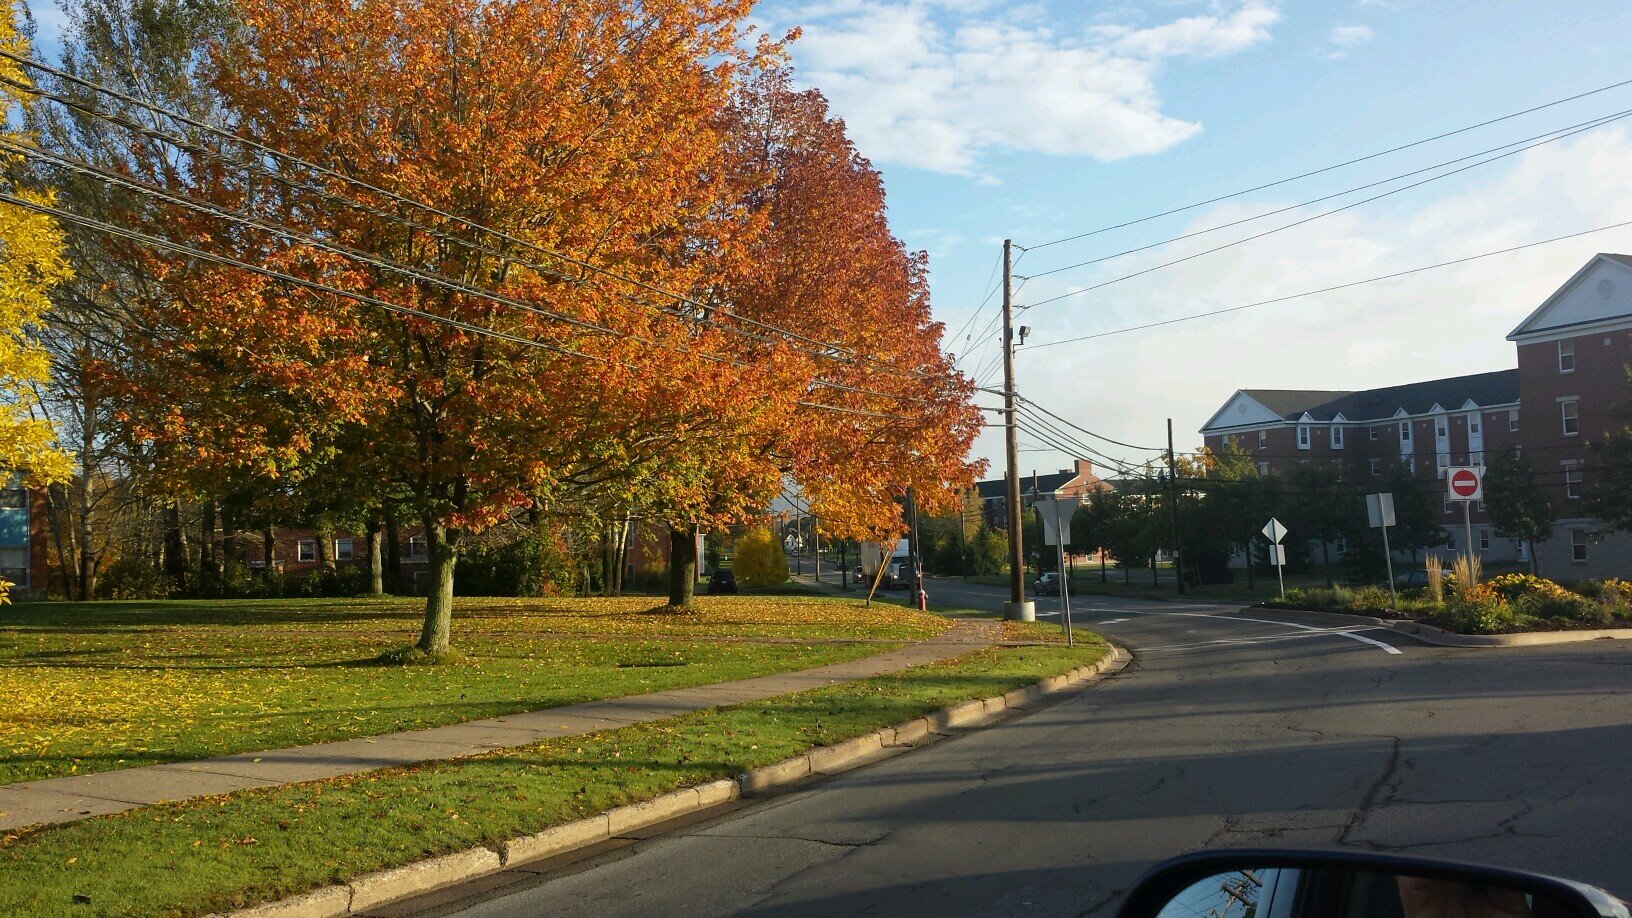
pixel 133 577
pixel 1480 611
pixel 1564 606
pixel 1371 598
pixel 759 561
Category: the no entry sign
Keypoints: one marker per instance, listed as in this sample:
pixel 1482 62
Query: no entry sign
pixel 1465 482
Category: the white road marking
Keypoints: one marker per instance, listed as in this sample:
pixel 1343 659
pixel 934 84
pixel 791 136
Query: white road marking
pixel 1271 639
pixel 1113 621
pixel 1386 648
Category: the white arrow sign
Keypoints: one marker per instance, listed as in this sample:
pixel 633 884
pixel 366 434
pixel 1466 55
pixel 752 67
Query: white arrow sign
pixel 1275 531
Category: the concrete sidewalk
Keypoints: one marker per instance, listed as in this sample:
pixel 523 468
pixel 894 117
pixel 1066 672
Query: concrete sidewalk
pixel 59 800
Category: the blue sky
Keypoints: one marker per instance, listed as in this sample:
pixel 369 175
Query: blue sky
pixel 1038 120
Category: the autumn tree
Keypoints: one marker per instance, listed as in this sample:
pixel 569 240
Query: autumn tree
pixel 33 264
pixel 428 305
pixel 826 267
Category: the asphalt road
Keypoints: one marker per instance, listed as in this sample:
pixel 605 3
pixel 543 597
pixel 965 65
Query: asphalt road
pixel 1230 728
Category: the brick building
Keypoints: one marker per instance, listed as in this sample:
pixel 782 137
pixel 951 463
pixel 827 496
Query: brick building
pixel 1570 382
pixel 993 494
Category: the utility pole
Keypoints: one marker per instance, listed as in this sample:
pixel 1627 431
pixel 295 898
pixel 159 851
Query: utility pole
pixel 1173 507
pixel 1017 608
pixel 915 561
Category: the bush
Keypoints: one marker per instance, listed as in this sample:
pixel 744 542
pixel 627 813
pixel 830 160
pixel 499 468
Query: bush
pixel 1563 607
pixel 1513 586
pixel 1478 611
pixel 1372 599
pixel 132 577
pixel 759 561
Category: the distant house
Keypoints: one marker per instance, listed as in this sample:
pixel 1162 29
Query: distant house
pixel 993 495
pixel 1570 384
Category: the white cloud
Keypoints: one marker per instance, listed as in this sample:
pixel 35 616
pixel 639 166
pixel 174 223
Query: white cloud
pixel 942 84
pixel 1345 36
pixel 1439 323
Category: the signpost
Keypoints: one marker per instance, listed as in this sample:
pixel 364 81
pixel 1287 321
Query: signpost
pixel 1466 483
pixel 1275 532
pixel 1061 509
pixel 1380 511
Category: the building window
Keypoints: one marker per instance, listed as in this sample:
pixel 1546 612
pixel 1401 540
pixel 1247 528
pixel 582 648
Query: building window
pixel 1263 439
pixel 1439 428
pixel 1411 464
pixel 1479 506
pixel 1450 506
pixel 1263 468
pixel 1337 437
pixel 1373 431
pixel 1484 540
pixel 1405 432
pixel 1513 419
pixel 1578 545
pixel 1572 420
pixel 1376 467
pixel 1566 356
pixel 418 550
pixel 14 526
pixel 1572 483
pixel 1441 463
pixel 344 549
pixel 1303 438
pixel 306 550
pixel 1473 425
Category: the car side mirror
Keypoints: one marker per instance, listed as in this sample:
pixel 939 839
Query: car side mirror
pixel 1273 883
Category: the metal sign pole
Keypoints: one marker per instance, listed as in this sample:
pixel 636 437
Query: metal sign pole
pixel 1467 524
pixel 1065 584
pixel 1388 559
pixel 1280 559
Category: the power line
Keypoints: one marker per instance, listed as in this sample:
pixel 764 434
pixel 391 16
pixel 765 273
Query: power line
pixel 472 328
pixel 400 199
pixel 1151 449
pixel 1335 287
pixel 1325 169
pixel 1310 219
pixel 151 191
pixel 1584 125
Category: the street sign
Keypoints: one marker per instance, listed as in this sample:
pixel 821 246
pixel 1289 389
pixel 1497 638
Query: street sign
pixel 1380 510
pixel 1274 531
pixel 1465 483
pixel 1056 513
pixel 1277 555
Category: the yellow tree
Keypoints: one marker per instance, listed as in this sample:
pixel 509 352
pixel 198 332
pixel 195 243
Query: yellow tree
pixel 32 265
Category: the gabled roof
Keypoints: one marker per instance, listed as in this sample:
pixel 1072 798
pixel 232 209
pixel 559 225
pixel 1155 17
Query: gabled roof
pixel 1579 303
pixel 1046 484
pixel 1500 387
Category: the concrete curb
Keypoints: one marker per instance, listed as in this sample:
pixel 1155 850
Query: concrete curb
pixel 387 886
pixel 1442 638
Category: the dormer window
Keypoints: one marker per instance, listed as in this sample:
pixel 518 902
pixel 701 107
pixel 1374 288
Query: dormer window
pixel 1303 437
pixel 1337 437
pixel 1405 431
pixel 1566 356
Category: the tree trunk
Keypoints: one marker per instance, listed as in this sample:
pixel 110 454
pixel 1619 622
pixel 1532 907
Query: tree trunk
pixel 207 568
pixel 175 544
pixel 1535 567
pixel 393 550
pixel 682 567
pixel 325 546
pixel 376 560
pixel 269 549
pixel 443 546
pixel 1251 574
pixel 56 503
pixel 1155 574
pixel 620 555
pixel 87 485
pixel 1326 560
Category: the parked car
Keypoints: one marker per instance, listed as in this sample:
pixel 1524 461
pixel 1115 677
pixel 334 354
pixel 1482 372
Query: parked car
pixel 1046 585
pixel 722 582
pixel 1411 580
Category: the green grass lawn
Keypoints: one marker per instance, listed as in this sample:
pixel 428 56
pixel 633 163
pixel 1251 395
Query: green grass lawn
pixel 98 686
pixel 219 853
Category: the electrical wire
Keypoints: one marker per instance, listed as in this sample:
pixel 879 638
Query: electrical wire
pixel 1325 169
pixel 1323 214
pixel 224 133
pixel 1584 125
pixel 1333 288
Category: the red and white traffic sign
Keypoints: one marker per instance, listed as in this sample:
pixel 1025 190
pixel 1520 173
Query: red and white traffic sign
pixel 1465 482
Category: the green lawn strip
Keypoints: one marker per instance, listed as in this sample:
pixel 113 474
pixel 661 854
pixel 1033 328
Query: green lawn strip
pixel 76 720
pixel 259 845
